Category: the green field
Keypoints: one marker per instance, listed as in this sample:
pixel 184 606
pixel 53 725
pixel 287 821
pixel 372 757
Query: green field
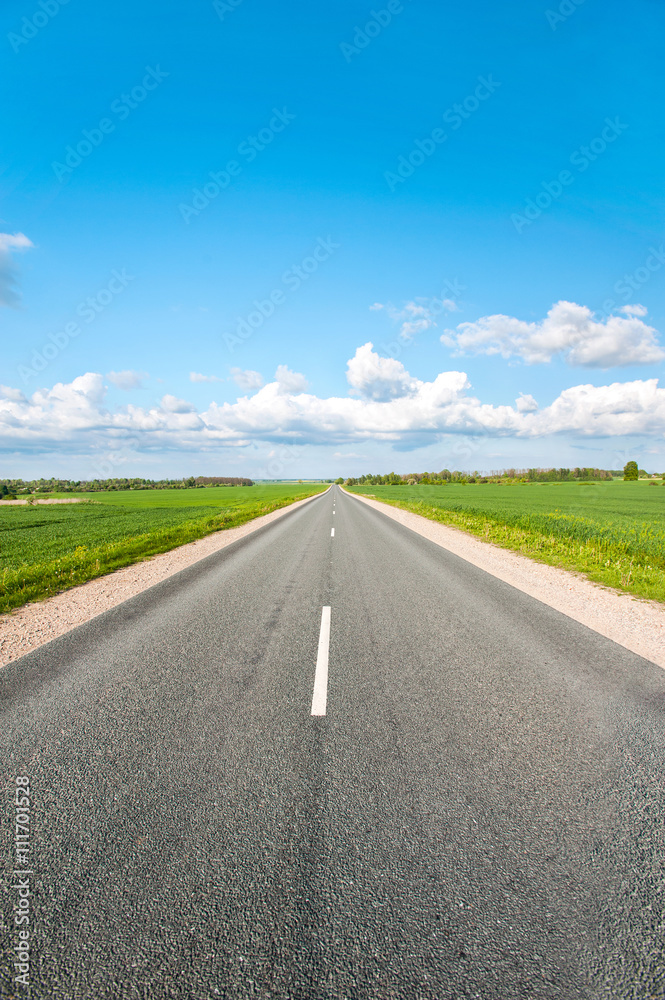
pixel 613 532
pixel 46 549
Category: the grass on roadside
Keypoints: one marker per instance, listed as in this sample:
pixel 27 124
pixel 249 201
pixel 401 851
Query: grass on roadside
pixel 44 550
pixel 623 552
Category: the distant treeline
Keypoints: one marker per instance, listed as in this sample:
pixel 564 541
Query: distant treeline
pixel 18 486
pixel 222 481
pixel 499 476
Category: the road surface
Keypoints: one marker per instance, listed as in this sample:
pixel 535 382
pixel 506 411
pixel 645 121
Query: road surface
pixel 475 808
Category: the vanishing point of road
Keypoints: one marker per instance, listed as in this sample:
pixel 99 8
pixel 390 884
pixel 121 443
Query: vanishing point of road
pixel 334 760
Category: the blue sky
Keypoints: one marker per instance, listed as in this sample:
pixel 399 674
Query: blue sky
pixel 390 175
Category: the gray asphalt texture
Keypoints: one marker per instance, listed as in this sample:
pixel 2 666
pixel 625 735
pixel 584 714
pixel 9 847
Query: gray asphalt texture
pixel 480 814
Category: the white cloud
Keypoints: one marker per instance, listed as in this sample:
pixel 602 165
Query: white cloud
pixel 174 405
pixel 413 317
pixel 17 241
pixel 607 410
pixel 288 381
pixel 568 330
pixel 411 327
pixel 7 392
pixel 442 406
pixel 127 380
pixel 391 406
pixel 197 377
pixel 9 295
pixel 416 315
pixel 526 403
pixel 374 377
pixel 248 379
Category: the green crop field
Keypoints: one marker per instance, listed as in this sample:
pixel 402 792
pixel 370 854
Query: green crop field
pixel 613 532
pixel 45 549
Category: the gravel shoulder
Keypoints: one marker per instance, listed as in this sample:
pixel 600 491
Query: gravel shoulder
pixel 635 624
pixel 35 624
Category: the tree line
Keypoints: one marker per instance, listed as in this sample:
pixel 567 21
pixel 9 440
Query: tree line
pixel 536 475
pixel 16 487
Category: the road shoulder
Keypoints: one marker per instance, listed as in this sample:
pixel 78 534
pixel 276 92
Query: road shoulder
pixel 635 624
pixel 33 625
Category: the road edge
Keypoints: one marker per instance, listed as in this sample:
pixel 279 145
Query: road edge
pixel 635 624
pixel 33 625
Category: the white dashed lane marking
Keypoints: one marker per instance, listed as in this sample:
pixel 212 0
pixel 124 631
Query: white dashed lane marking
pixel 320 697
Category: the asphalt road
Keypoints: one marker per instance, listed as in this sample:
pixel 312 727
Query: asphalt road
pixel 479 813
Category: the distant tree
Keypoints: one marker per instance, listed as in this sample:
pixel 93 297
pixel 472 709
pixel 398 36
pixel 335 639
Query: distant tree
pixel 630 472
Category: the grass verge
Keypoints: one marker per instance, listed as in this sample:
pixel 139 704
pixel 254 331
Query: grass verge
pixel 36 580
pixel 629 558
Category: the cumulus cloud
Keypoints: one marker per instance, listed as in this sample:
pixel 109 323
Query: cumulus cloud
pixel 7 392
pixel 248 380
pixel 198 377
pixel 390 405
pixel 416 319
pixel 288 381
pixel 127 380
pixel 171 404
pixel 9 295
pixel 416 315
pixel 374 377
pixel 526 403
pixel 569 331
pixel 608 410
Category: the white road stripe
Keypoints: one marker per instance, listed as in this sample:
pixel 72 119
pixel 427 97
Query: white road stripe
pixel 332 532
pixel 320 697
